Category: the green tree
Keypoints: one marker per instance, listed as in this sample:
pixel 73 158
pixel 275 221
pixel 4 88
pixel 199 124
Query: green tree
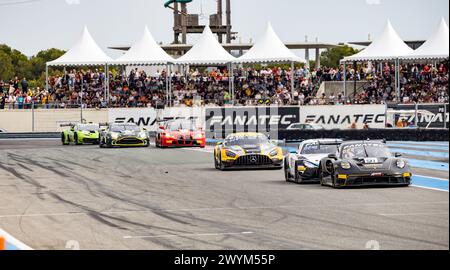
pixel 6 66
pixel 332 57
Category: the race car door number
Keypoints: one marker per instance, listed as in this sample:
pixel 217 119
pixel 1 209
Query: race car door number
pixel 370 160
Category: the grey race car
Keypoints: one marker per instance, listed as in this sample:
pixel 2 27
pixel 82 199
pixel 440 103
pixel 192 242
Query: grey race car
pixel 123 135
pixel 364 163
pixel 303 165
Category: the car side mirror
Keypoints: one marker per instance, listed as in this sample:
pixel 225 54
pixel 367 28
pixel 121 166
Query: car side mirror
pixel 144 129
pixel 332 156
pixel 219 143
pixel 398 155
pixel 162 127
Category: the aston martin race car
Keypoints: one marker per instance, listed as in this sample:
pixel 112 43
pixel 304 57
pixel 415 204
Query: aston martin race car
pixel 364 163
pixel 303 165
pixel 123 135
pixel 180 133
pixel 248 151
pixel 80 134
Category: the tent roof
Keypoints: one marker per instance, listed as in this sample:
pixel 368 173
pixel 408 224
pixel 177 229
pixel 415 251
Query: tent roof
pixel 206 51
pixel 144 52
pixel 85 52
pixel 386 47
pixel 269 49
pixel 436 46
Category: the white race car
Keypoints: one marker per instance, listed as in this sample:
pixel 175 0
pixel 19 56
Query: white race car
pixel 303 165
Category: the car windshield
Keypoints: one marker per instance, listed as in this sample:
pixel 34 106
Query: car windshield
pixel 364 150
pixel 88 127
pixel 315 148
pixel 239 140
pixel 181 125
pixel 121 128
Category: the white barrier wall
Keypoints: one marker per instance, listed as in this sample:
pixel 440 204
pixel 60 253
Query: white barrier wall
pixel 47 120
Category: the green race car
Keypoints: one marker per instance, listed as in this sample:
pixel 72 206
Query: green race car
pixel 81 134
pixel 123 135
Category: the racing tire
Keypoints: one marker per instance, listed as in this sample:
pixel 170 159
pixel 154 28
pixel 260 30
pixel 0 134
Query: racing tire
pixel 147 143
pixel 221 166
pixel 64 140
pixel 75 138
pixel 286 172
pixel 216 164
pixel 108 143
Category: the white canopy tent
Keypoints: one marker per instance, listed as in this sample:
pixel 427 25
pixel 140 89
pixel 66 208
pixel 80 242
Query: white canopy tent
pixel 436 47
pixel 388 46
pixel 207 51
pixel 146 52
pixel 270 49
pixel 85 52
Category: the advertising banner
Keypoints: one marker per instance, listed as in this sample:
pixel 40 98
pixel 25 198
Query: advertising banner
pixel 219 122
pixel 342 117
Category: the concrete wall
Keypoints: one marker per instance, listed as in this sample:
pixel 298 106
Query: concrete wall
pixel 46 120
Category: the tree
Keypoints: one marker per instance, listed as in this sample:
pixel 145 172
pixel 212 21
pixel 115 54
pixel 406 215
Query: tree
pixel 6 66
pixel 332 57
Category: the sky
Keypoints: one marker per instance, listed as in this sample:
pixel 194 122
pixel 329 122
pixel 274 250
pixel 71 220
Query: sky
pixel 34 25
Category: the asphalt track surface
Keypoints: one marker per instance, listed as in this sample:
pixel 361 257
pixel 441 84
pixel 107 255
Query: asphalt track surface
pixel 53 197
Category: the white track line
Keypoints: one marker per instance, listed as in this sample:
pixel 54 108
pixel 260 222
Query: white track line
pixel 433 178
pixel 184 235
pixel 415 214
pixel 435 189
pixel 13 241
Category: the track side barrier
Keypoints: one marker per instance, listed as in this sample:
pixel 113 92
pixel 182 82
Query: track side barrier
pixel 373 134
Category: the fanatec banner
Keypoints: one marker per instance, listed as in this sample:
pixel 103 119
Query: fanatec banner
pixel 220 122
pixel 422 115
pixel 342 117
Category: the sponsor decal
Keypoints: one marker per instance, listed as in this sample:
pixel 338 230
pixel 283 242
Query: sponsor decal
pixel 342 117
pixel 220 122
pixel 425 115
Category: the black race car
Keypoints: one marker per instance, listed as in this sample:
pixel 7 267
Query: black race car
pixel 364 163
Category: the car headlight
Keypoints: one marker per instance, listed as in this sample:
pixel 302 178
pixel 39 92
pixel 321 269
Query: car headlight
pixel 346 165
pixel 309 164
pixel 230 154
pixel 198 136
pixel 401 164
pixel 143 135
pixel 274 152
pixel 114 135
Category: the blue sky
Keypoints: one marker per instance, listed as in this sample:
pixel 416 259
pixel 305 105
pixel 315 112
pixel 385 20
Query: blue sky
pixel 42 24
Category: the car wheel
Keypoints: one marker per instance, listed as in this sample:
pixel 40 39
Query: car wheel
pixel 108 143
pixel 216 165
pixel 75 138
pixel 286 172
pixel 64 140
pixel 221 165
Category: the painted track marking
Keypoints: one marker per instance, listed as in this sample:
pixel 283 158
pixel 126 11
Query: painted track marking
pixel 188 234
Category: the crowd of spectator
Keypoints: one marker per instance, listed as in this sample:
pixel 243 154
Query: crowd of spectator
pixel 421 83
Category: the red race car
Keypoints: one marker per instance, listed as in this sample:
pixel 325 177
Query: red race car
pixel 180 133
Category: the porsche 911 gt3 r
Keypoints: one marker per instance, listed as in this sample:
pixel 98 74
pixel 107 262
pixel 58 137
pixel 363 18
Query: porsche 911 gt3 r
pixel 364 163
pixel 303 165
pixel 124 135
pixel 80 134
pixel 247 151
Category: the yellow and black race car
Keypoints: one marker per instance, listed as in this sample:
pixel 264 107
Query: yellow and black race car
pixel 248 151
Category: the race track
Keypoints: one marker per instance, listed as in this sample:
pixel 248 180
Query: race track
pixel 54 197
